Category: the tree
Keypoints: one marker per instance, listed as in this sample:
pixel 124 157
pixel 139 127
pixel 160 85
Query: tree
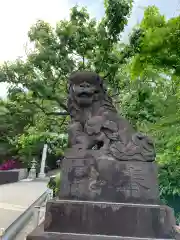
pixel 13 120
pixel 80 43
pixel 142 78
pixel 24 129
pixel 39 83
pixel 157 45
pixel 154 43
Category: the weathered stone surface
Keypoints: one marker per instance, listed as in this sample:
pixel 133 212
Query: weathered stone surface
pixel 109 184
pixel 39 234
pixel 128 220
pixel 96 124
pixel 105 179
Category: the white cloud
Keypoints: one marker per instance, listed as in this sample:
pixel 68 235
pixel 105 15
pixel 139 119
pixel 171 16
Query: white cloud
pixel 133 19
pixel 18 15
pixel 15 20
pixel 3 90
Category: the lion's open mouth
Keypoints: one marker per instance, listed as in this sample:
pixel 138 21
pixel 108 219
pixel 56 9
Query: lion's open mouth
pixel 85 95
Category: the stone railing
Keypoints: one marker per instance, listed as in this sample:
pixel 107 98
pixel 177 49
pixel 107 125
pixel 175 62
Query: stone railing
pixel 39 215
pixel 39 211
pixel 36 210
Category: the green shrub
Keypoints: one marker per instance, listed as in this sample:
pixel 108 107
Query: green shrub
pixel 57 185
pixel 54 183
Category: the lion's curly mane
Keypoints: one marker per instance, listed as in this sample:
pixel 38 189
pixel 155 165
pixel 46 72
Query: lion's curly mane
pixel 101 102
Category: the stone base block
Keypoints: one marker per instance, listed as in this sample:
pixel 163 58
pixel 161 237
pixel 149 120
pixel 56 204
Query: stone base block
pixel 39 234
pixel 23 173
pixel 101 178
pixel 114 219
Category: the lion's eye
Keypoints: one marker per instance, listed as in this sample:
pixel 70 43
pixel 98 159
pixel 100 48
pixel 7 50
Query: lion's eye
pixel 74 87
pixel 85 84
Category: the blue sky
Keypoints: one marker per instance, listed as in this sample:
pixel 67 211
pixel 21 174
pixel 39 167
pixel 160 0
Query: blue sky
pixel 16 20
pixel 169 8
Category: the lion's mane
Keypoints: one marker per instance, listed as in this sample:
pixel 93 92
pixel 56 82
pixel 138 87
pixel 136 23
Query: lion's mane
pixel 101 102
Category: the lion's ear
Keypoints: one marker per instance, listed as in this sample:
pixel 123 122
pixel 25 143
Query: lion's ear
pixel 105 89
pixel 103 85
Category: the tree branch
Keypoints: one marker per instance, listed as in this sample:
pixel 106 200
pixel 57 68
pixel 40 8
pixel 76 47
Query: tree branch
pixel 57 113
pixel 59 101
pixel 63 121
pixel 107 75
pixel 63 113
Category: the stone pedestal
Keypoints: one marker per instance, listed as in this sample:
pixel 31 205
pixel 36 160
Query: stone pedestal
pixel 32 172
pixel 68 219
pixel 41 175
pixel 102 198
pixel 119 219
pixel 102 179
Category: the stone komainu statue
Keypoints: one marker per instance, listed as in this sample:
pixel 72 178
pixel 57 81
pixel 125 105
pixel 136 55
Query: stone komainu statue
pixel 95 123
pixel 113 179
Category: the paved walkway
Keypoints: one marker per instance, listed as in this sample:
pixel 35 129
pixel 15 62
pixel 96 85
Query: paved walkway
pixel 15 198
